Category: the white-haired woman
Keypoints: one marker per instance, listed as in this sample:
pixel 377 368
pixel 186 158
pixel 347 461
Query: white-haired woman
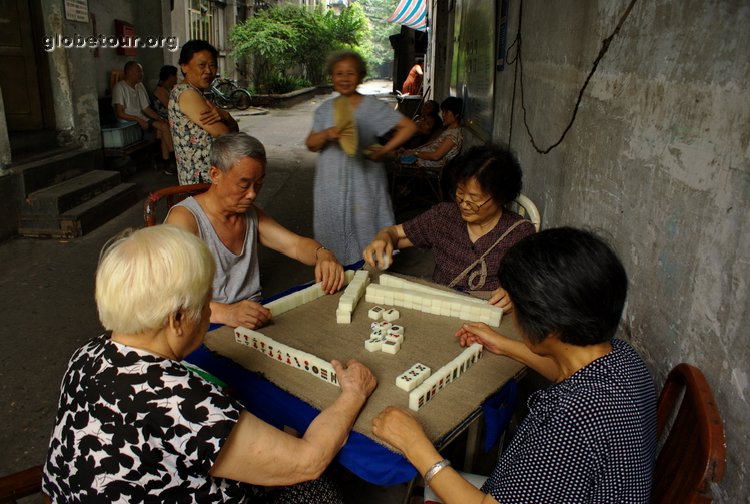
pixel 134 425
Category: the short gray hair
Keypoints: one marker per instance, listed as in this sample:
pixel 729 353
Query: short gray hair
pixel 337 56
pixel 227 149
pixel 145 276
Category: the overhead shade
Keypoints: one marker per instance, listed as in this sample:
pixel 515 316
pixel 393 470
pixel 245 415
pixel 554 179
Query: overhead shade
pixel 411 13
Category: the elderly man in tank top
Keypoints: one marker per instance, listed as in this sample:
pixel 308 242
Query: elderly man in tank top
pixel 226 218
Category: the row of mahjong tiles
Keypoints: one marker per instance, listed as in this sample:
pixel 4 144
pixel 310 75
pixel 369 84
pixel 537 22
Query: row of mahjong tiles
pixel 430 340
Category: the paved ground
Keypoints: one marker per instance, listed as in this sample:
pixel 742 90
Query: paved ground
pixel 46 290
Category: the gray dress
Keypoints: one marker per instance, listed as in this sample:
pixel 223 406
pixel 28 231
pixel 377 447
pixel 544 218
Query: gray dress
pixel 351 199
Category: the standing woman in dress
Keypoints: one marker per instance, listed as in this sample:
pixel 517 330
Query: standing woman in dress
pixel 351 199
pixel 194 120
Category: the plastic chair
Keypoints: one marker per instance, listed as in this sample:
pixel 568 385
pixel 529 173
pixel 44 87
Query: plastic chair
pixel 173 194
pixel 693 453
pixel 526 208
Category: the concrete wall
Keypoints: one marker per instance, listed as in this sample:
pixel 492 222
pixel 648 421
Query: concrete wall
pixel 658 159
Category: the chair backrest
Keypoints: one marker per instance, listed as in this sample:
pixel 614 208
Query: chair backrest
pixel 21 484
pixel 524 207
pixel 172 194
pixel 693 453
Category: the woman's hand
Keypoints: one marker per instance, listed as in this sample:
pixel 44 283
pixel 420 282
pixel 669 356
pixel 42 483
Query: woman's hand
pixel 332 134
pixel 212 115
pixel 328 271
pixel 379 252
pixel 501 299
pixel 399 428
pixel 477 332
pixel 355 378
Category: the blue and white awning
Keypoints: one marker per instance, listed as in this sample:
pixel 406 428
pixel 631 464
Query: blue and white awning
pixel 411 13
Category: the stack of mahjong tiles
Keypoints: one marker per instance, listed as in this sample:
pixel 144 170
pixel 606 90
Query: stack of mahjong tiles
pixel 385 337
pixel 351 296
pixel 301 297
pixel 433 383
pixel 286 354
pixel 397 291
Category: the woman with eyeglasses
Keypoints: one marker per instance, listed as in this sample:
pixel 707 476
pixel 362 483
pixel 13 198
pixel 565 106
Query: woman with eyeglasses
pixel 468 238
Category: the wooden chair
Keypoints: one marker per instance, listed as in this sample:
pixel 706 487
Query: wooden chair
pixel 21 484
pixel 690 428
pixel 173 194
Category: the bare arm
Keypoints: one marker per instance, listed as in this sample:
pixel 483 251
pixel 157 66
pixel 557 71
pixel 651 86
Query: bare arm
pixel 399 428
pixel 405 129
pixel 379 252
pixel 476 332
pixel 445 146
pixel 162 95
pixel 315 141
pixel 121 114
pixel 328 270
pixel 257 453
pixel 199 110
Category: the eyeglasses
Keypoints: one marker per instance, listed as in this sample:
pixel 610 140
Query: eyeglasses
pixel 474 207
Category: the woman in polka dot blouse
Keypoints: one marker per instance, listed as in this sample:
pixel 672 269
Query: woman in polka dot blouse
pixel 591 435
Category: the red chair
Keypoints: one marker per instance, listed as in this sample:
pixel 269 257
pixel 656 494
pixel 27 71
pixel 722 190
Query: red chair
pixel 21 484
pixel 693 453
pixel 172 194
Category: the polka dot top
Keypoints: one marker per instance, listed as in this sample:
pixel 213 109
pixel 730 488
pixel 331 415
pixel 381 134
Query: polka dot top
pixel 589 438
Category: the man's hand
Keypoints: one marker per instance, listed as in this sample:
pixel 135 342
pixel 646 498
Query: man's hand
pixel 246 314
pixel 501 299
pixel 142 123
pixel 355 378
pixel 477 332
pixel 328 271
pixel 398 427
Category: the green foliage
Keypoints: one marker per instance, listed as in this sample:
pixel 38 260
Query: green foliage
pixel 281 84
pixel 380 55
pixel 291 41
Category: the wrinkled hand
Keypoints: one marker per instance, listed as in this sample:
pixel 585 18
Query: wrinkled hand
pixel 247 314
pixel 355 377
pixel 398 427
pixel 379 253
pixel 477 332
pixel 329 272
pixel 211 116
pixel 332 133
pixel 501 299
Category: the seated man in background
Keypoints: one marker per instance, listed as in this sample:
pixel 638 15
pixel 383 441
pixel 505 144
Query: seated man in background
pixel 131 103
pixel 226 218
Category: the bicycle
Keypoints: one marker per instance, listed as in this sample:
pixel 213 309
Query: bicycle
pixel 227 94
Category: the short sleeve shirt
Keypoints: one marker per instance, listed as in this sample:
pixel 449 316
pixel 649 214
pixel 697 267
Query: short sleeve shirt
pixel 589 438
pixel 454 134
pixel 132 99
pixel 442 230
pixel 135 427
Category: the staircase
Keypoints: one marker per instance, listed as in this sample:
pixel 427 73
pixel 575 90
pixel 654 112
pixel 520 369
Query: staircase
pixel 60 191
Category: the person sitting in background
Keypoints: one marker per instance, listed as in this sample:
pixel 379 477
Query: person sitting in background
pixel 167 80
pixel 413 83
pixel 468 238
pixel 591 435
pixel 227 219
pixel 428 122
pixel 194 120
pixel 131 103
pixel 437 153
pixel 135 425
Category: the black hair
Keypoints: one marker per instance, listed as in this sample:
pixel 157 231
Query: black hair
pixel 195 46
pixel 166 72
pixel 453 104
pixel 496 169
pixel 565 281
pixel 128 65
